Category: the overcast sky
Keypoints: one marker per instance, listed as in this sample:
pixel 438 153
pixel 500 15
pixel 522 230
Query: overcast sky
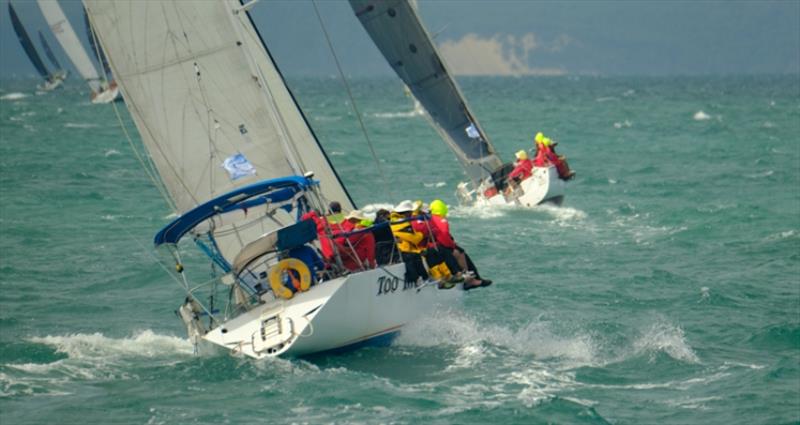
pixel 514 37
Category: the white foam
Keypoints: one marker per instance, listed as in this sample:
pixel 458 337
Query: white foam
pixel 13 96
pixel 667 338
pixel 480 211
pixel 437 184
pixel 93 346
pixel 623 124
pixel 111 152
pixel 606 99
pixel 337 153
pixel 79 125
pixel 390 115
pixel 701 116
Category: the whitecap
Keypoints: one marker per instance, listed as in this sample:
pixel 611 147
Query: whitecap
pixel 606 99
pixel 760 175
pixel 390 115
pixel 768 124
pixel 97 346
pixel 337 153
pixel 111 152
pixel 667 338
pixel 437 184
pixel 13 96
pixel 623 124
pixel 701 116
pixel 79 125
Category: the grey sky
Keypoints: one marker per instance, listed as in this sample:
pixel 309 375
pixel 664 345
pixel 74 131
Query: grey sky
pixel 516 37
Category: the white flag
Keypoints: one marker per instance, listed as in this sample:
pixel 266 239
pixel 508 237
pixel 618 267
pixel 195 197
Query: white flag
pixel 472 131
pixel 238 166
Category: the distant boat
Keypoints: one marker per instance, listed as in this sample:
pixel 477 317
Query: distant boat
pixel 240 166
pixel 397 31
pixel 51 81
pixel 61 73
pixel 102 92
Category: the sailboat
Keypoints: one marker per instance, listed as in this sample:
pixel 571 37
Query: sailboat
pixel 397 31
pixel 241 168
pixel 51 81
pixel 101 91
pixel 60 74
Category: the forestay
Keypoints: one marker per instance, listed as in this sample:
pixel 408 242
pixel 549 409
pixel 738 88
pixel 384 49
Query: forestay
pixel 396 29
pixel 210 105
pixel 69 42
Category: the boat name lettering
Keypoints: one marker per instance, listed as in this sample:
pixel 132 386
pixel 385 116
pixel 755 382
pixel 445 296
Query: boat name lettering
pixel 390 284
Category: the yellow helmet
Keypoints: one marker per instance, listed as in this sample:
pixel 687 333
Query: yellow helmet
pixel 546 141
pixel 521 155
pixel 438 207
pixel 539 137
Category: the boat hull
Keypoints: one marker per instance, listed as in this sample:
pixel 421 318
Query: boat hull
pixel 107 96
pixel 544 186
pixel 340 313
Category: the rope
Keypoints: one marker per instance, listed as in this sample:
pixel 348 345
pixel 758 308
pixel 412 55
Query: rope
pixel 353 101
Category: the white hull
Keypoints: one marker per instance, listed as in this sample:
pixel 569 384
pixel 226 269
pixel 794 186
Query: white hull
pixel 334 314
pixel 543 186
pixel 106 96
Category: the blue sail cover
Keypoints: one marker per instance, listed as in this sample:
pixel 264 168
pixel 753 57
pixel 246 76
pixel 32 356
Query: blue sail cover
pixel 27 45
pixel 274 190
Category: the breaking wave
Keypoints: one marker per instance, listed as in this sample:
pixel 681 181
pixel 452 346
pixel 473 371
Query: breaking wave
pixel 13 96
pixel 701 116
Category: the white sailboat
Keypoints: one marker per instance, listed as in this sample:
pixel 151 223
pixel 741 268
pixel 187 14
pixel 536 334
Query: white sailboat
pixel 102 92
pixel 397 31
pixel 51 81
pixel 235 156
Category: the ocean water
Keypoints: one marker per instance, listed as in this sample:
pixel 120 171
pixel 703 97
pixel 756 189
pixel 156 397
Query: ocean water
pixel 666 288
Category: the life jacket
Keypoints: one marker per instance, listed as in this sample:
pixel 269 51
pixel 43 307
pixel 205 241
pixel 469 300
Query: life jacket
pixel 356 249
pixel 407 239
pixel 523 169
pixel 441 232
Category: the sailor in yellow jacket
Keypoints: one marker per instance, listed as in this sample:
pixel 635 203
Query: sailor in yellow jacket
pixel 410 243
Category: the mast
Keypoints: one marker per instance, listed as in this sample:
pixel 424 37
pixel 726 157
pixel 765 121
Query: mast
pixel 26 43
pixel 397 31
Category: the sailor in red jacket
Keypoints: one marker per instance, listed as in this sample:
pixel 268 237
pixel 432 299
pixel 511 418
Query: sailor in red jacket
pixel 445 244
pixel 358 249
pixel 523 168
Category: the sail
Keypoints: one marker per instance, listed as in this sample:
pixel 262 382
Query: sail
pixel 98 54
pixel 49 52
pixel 397 31
pixel 69 42
pixel 212 109
pixel 22 35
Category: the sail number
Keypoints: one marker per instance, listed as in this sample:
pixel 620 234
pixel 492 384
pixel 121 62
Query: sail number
pixel 388 285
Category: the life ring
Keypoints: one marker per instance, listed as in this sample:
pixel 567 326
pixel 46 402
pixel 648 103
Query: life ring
pixel 276 275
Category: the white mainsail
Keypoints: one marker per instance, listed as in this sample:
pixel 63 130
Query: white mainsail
pixel 397 31
pixel 203 92
pixel 69 42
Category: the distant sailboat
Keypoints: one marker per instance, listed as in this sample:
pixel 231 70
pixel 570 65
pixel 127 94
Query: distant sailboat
pixel 101 91
pixel 60 72
pixel 235 156
pixel 397 31
pixel 51 81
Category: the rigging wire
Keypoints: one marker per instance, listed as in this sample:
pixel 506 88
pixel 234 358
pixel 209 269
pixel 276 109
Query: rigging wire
pixel 353 102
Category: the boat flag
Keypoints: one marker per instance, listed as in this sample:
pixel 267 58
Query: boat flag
pixel 472 131
pixel 238 166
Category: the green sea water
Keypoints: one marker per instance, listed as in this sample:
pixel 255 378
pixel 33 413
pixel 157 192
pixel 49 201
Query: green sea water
pixel 666 288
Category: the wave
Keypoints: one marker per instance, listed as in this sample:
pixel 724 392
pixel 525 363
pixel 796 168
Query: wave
pixel 437 184
pixel 623 124
pixel 13 96
pixel 91 357
pixel 79 125
pixel 701 116
pixel 663 337
pixel 111 152
pixel 409 114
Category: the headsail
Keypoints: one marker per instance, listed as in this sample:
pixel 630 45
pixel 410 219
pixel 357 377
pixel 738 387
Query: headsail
pixel 210 105
pixel 49 52
pixel 27 45
pixel 396 29
pixel 69 42
pixel 98 53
